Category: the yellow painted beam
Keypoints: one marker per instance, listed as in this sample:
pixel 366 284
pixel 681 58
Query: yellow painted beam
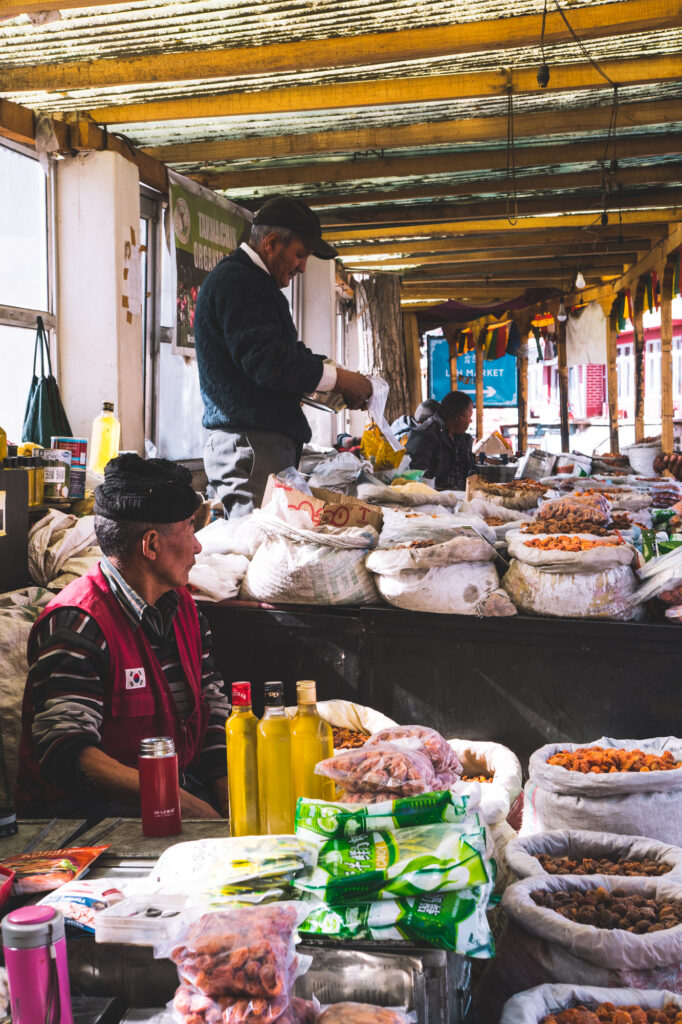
pixel 589 21
pixel 14 8
pixel 18 124
pixel 396 167
pixel 527 237
pixel 428 133
pixel 496 258
pixel 574 220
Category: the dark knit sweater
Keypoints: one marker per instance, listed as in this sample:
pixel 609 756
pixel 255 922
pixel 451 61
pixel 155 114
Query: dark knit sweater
pixel 252 368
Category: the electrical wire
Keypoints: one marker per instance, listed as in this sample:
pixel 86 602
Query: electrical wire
pixel 512 201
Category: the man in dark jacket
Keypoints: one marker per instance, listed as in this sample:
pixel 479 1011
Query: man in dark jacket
pixel 253 370
pixel 442 447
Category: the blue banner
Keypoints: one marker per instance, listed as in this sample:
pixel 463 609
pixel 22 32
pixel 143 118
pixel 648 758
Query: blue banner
pixel 499 375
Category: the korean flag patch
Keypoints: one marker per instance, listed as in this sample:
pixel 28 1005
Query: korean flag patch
pixel 135 679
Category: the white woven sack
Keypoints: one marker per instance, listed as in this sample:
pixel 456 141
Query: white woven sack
pixel 522 852
pixel 461 589
pixel 628 803
pixel 597 559
pixel 572 595
pixel 460 549
pixel 533 1005
pixel 345 714
pixel 479 757
pixel 403 527
pixel 562 950
pixel 382 494
pixel 643 456
pixel 323 565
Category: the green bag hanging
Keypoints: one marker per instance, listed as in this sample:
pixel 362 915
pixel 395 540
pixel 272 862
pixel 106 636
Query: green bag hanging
pixel 44 417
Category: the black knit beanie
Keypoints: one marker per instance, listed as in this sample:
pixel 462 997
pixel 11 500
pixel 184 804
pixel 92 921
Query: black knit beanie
pixel 145 491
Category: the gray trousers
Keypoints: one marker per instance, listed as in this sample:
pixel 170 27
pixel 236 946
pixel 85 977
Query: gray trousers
pixel 238 466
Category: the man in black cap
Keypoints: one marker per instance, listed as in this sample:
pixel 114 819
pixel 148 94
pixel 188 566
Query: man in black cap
pixel 253 370
pixel 122 654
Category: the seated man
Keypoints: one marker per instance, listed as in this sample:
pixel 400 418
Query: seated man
pixel 121 654
pixel 442 447
pixel 404 425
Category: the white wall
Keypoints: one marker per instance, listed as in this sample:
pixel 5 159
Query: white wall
pixel 100 348
pixel 318 332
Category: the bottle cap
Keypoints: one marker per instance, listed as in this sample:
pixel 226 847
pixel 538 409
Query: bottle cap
pixel 306 691
pixel 157 746
pixel 274 695
pixel 107 406
pixel 241 695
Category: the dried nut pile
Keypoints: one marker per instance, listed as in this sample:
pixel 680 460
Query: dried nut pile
pixel 607 1013
pixel 347 739
pixel 569 543
pixel 606 760
pixel 618 909
pixel 578 525
pixel 601 866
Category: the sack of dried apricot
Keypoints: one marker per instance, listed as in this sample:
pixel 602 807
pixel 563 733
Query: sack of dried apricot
pixel 631 787
pixel 548 1001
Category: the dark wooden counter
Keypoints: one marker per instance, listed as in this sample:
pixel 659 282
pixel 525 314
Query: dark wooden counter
pixel 520 681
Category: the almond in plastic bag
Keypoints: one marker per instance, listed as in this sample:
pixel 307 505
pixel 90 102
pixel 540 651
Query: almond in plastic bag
pixel 390 769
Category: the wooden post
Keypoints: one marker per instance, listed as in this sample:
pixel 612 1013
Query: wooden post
pixel 612 378
pixel 638 326
pixel 454 382
pixel 413 360
pixel 380 337
pixel 563 385
pixel 479 391
pixel 666 279
pixel 451 332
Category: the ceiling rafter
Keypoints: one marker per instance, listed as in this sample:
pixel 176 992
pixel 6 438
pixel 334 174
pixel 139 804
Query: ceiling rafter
pixel 623 17
pixel 253 178
pixel 433 133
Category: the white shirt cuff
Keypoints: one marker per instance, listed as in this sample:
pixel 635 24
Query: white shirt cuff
pixel 328 378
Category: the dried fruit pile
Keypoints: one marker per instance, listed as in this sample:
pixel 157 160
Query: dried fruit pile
pixel 570 543
pixel 603 760
pixel 619 521
pixel 348 739
pixel 477 778
pixel 590 508
pixel 601 866
pixel 416 544
pixel 617 909
pixel 607 1013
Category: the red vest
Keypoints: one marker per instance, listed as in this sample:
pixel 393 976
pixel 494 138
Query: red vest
pixel 137 700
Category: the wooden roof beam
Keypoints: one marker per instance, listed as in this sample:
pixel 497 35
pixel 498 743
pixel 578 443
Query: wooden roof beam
pixel 592 21
pixel 252 178
pixel 427 133
pixel 499 257
pixel 660 252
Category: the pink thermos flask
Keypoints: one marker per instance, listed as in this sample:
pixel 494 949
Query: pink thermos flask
pixel 159 787
pixel 37 971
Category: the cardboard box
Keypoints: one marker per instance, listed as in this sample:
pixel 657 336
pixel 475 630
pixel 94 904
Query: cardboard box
pixel 328 508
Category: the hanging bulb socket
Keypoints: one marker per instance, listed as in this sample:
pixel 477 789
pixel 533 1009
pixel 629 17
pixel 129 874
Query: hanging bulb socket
pixel 604 219
pixel 561 313
pixel 543 76
pixel 579 280
pixel 613 166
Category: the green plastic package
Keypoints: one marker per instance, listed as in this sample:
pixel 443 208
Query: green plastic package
pixel 409 862
pixel 317 820
pixel 455 920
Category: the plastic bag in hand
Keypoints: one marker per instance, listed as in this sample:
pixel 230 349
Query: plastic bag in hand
pixel 401 771
pixel 443 757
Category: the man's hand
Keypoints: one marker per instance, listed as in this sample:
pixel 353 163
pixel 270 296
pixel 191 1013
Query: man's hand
pixel 355 388
pixel 193 807
pixel 673 463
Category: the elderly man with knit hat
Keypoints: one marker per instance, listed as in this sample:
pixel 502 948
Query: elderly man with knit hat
pixel 253 370
pixel 122 654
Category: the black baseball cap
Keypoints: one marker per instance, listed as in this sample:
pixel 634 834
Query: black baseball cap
pixel 292 213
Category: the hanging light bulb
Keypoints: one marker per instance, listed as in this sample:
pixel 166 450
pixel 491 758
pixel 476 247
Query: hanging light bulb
pixel 579 280
pixel 562 314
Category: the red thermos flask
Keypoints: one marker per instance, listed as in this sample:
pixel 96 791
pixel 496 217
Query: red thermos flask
pixel 159 787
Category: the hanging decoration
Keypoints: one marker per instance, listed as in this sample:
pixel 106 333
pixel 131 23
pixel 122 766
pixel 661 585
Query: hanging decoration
pixel 498 340
pixel 465 341
pixel 652 292
pixel 624 311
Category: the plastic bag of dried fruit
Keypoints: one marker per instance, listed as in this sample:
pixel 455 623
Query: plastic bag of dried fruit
pixel 192 1007
pixel 532 1006
pixel 628 803
pixel 364 1013
pixel 585 850
pixel 244 952
pixel 539 946
pixel 421 737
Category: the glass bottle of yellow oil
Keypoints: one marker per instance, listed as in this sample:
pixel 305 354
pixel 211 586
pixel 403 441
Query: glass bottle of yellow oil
pixel 242 764
pixel 311 741
pixel 275 783
pixel 105 439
